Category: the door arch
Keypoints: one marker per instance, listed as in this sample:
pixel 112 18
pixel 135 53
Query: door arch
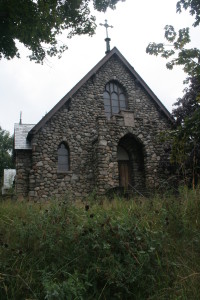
pixel 130 156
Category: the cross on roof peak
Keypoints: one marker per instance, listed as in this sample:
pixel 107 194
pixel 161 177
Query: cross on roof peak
pixel 107 39
pixel 106 26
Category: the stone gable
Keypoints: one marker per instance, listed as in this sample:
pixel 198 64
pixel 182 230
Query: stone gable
pixel 92 139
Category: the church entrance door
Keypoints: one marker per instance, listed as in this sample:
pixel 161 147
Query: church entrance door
pixel 130 157
pixel 124 173
pixel 124 167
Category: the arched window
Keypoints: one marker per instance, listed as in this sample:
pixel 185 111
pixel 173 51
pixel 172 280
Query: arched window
pixel 114 99
pixel 63 158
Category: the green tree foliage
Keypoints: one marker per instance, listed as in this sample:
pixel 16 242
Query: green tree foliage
pixel 186 148
pixel 185 137
pixel 179 53
pixel 6 146
pixel 38 23
pixel 193 6
pixel 189 103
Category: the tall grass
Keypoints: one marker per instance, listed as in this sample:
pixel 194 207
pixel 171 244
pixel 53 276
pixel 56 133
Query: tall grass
pixel 119 249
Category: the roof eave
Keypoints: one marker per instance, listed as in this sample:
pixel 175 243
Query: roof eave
pixel 70 94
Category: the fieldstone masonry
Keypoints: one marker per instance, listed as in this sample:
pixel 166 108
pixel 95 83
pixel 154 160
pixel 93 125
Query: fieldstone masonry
pixel 93 139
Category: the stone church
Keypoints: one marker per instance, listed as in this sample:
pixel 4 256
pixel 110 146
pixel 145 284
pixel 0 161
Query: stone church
pixel 103 135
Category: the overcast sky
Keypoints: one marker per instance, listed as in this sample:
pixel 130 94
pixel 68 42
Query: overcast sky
pixel 34 89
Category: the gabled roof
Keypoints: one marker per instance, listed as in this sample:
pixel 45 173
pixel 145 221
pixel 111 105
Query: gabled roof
pixel 20 136
pixel 114 51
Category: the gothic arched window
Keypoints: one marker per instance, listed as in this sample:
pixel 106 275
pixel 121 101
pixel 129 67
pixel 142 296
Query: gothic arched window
pixel 114 98
pixel 63 158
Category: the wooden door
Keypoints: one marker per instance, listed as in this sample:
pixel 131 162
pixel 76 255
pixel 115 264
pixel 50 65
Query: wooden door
pixel 124 173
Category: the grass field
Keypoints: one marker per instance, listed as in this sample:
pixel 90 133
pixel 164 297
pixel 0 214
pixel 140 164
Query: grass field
pixel 121 249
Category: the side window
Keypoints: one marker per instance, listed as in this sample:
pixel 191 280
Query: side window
pixel 114 99
pixel 63 158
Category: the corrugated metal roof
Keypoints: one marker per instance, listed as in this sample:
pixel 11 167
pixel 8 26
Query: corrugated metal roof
pixel 20 140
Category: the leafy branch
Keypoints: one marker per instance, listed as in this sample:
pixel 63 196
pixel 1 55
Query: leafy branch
pixel 180 54
pixel 38 23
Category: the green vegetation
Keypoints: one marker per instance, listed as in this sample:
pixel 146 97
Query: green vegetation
pixel 179 52
pixel 135 249
pixel 184 137
pixel 39 24
pixel 6 147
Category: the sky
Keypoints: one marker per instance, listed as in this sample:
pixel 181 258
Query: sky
pixel 34 89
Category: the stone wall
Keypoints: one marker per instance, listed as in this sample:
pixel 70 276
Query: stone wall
pixel 23 167
pixel 109 137
pixel 93 139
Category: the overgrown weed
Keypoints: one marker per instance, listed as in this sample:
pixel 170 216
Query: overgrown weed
pixel 120 249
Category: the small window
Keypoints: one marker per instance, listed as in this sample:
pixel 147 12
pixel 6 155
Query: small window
pixel 63 158
pixel 114 99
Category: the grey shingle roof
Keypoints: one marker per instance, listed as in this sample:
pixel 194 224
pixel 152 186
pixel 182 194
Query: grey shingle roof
pixel 20 136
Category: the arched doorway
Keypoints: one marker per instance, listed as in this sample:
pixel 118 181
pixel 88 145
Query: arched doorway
pixel 130 156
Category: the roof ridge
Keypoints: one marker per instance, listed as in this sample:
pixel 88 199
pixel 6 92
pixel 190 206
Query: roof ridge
pixel 87 77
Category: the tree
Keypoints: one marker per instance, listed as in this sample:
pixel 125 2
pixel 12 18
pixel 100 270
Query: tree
pixel 186 134
pixel 6 146
pixel 38 23
pixel 189 103
pixel 186 149
pixel 189 58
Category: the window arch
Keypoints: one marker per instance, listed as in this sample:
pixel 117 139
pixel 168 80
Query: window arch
pixel 114 98
pixel 63 158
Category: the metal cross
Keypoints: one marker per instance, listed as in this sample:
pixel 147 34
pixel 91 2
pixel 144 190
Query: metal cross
pixel 106 26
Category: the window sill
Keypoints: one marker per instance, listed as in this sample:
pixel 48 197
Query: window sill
pixel 64 172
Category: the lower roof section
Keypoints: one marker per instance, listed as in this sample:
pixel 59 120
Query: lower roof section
pixel 20 136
